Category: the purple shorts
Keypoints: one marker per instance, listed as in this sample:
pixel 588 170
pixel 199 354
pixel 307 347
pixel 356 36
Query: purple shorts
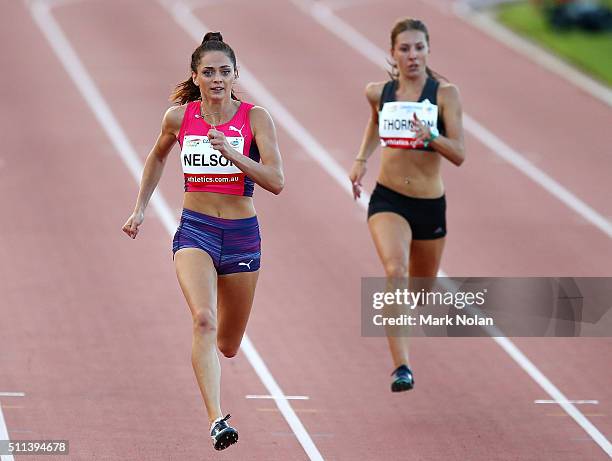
pixel 233 244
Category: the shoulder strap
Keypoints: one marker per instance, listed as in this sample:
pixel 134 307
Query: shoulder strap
pixel 246 106
pixel 430 91
pixel 388 93
pixel 192 107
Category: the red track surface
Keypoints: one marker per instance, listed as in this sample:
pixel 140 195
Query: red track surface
pixel 93 326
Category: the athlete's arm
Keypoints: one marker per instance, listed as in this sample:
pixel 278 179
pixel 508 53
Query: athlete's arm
pixel 370 139
pixel 451 145
pixel 154 166
pixel 269 173
pixel 370 136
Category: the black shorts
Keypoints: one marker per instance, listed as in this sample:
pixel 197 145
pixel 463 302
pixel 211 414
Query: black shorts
pixel 426 216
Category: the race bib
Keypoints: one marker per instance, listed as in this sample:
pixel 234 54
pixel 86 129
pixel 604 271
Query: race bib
pixel 203 164
pixel 396 123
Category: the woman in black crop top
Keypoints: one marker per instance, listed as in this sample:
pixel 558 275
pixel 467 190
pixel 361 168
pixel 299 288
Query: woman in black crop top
pixel 406 214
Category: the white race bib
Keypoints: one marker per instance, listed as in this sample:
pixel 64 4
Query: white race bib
pixel 396 123
pixel 198 157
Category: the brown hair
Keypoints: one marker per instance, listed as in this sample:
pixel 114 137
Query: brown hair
pixel 402 25
pixel 188 91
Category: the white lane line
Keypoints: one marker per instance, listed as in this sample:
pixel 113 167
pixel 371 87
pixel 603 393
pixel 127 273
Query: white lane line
pixel 486 23
pixel 56 3
pixel 4 435
pixel 12 394
pixel 575 402
pixel 326 17
pixel 287 397
pixel 63 49
pixel 351 36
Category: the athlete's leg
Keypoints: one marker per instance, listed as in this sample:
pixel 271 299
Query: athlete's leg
pixel 392 235
pixel 198 279
pixel 425 256
pixel 235 299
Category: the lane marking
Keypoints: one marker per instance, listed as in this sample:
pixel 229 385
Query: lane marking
pixel 4 435
pixel 297 410
pixel 575 402
pixel 41 12
pixel 12 394
pixel 57 3
pixel 355 39
pixel 314 434
pixel 487 24
pixel 287 397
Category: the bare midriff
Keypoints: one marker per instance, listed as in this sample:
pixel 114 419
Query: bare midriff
pixel 414 173
pixel 220 205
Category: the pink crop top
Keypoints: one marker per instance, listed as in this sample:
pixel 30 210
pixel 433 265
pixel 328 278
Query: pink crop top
pixel 204 168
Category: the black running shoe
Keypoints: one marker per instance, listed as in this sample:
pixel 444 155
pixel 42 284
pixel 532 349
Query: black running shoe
pixel 402 379
pixel 223 435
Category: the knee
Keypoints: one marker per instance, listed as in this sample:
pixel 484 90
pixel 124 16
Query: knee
pixel 396 269
pixel 204 323
pixel 227 350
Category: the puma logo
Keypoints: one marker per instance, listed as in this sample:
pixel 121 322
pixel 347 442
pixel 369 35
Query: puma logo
pixel 246 264
pixel 238 130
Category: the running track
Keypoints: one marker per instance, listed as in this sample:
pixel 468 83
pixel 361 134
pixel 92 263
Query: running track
pixel 94 329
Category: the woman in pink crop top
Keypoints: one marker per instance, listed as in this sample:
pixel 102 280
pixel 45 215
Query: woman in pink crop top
pixel 226 147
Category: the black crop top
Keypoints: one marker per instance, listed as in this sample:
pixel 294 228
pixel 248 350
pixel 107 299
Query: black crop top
pixel 430 92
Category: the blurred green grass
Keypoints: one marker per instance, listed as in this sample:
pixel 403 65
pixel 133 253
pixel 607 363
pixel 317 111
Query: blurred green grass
pixel 591 52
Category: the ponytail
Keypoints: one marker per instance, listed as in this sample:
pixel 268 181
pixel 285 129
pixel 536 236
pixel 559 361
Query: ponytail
pixel 188 91
pixel 185 92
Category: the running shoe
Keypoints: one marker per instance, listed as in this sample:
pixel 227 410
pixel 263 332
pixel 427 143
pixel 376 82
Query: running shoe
pixel 222 434
pixel 402 379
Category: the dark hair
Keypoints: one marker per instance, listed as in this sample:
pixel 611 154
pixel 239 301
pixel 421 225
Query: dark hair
pixel 402 25
pixel 188 91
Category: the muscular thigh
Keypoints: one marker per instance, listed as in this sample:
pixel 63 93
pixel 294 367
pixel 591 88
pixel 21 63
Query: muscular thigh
pixel 391 234
pixel 235 299
pixel 425 256
pixel 198 280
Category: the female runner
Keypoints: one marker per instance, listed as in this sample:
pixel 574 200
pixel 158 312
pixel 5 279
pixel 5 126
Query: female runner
pixel 406 214
pixel 226 146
